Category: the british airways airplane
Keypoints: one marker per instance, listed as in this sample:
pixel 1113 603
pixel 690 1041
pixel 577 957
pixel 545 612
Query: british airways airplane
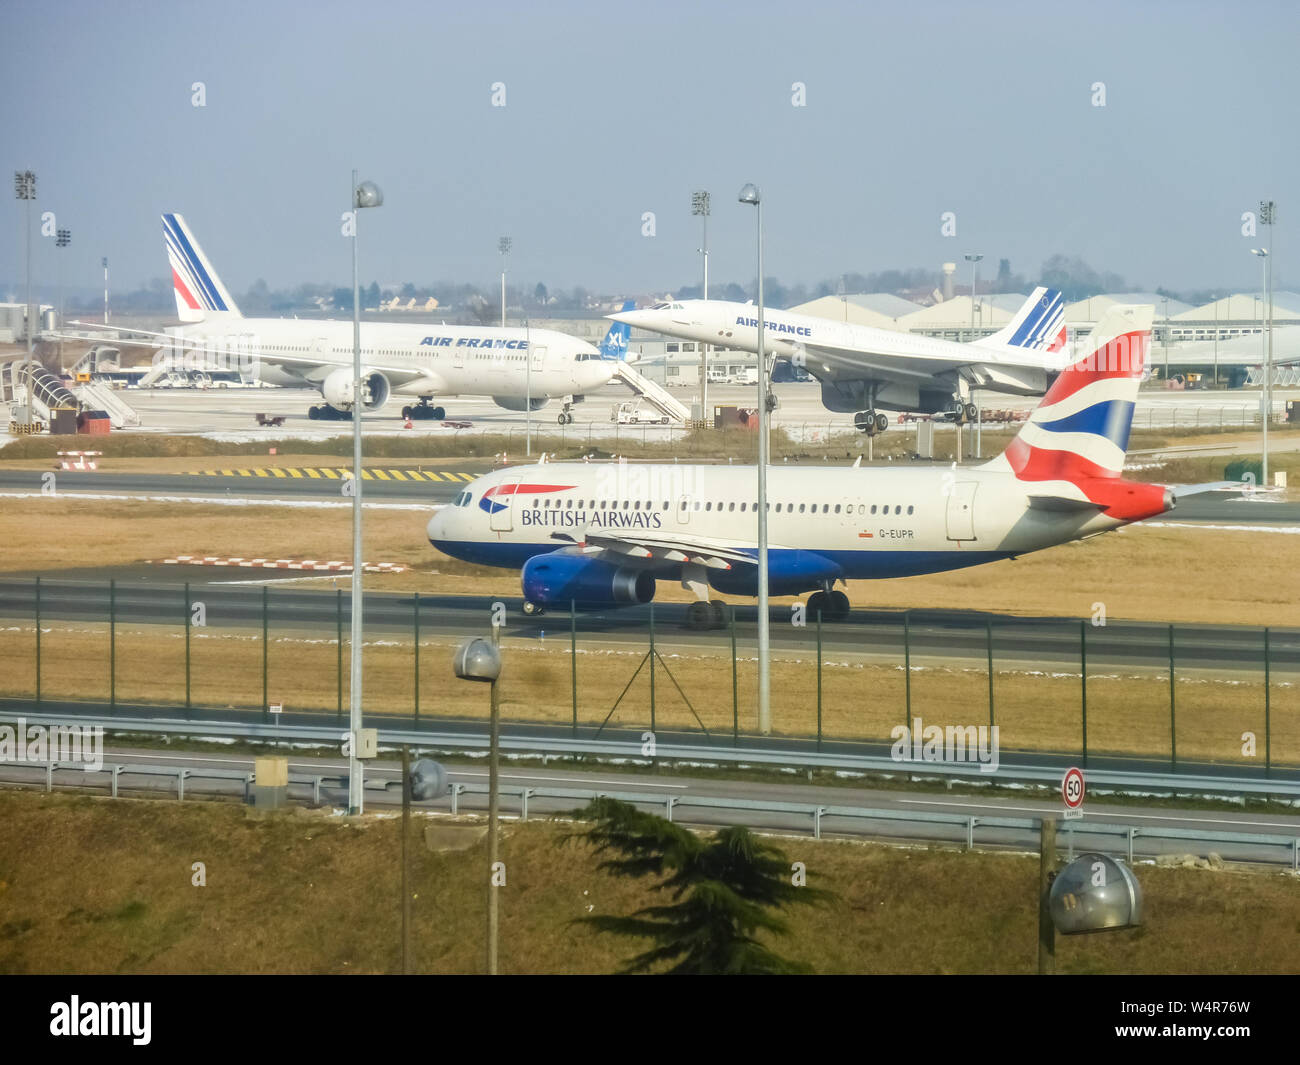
pixel 863 370
pixel 601 536
pixel 521 369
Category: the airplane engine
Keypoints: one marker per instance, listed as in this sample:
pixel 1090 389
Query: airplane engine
pixel 337 389
pixel 514 403
pixel 554 580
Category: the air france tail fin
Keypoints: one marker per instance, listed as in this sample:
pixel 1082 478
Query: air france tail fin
pixel 198 290
pixel 614 346
pixel 1039 325
pixel 1080 431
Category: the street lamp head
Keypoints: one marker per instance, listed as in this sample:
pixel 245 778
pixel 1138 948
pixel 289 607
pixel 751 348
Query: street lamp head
pixel 1262 252
pixel 974 258
pixel 368 194
pixel 749 194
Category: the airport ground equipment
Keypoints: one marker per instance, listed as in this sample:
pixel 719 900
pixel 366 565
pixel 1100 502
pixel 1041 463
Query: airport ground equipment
pixel 654 394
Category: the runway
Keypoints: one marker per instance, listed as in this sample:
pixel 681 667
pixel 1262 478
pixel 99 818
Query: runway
pixel 956 637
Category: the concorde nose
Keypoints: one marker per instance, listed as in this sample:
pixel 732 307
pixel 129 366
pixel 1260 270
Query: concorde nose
pixel 646 318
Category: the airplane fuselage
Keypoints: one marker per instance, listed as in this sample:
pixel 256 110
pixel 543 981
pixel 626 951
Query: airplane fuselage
pixel 823 524
pixel 435 360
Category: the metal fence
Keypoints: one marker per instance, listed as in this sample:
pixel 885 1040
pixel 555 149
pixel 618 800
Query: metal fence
pixel 1181 695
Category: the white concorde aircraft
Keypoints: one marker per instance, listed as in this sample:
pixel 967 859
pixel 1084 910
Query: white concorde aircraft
pixel 601 535
pixel 519 368
pixel 863 370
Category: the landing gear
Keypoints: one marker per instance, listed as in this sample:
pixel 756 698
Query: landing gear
pixel 699 616
pixel 422 411
pixel 871 422
pixel 702 616
pixel 565 417
pixel 323 412
pixel 532 610
pixel 832 605
pixel 964 412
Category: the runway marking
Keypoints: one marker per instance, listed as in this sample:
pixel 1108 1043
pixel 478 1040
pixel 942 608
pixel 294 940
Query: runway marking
pixel 397 475
pixel 1108 813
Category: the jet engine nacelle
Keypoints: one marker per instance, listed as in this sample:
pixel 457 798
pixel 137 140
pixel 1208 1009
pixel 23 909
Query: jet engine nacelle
pixel 589 583
pixel 337 389
pixel 515 403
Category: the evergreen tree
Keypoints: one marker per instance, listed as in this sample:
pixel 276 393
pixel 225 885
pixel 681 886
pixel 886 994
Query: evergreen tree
pixel 724 890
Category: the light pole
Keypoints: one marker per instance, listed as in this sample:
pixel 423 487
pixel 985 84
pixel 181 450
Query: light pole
pixel 749 194
pixel 1165 301
pixel 973 259
pixel 365 194
pixel 503 246
pixel 700 207
pixel 62 239
pixel 1267 216
pixel 105 262
pixel 1266 391
pixel 25 189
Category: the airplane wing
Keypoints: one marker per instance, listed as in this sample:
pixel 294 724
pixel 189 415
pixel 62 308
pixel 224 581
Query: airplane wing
pixel 676 548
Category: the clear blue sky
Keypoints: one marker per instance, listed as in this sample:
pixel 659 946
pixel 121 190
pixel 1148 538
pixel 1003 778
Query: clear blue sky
pixel 618 109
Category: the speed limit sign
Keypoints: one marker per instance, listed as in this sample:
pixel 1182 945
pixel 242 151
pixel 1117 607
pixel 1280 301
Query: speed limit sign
pixel 1072 792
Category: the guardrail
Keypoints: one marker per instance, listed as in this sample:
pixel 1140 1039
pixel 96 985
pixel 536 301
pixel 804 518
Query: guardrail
pixel 961 828
pixel 701 755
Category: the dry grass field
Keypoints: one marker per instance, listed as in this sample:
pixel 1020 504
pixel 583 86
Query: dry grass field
pixel 104 886
pixel 1127 714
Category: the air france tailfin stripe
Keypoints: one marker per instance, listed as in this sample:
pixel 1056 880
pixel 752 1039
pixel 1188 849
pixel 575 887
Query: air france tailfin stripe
pixel 1080 430
pixel 1039 325
pixel 198 290
pixel 614 346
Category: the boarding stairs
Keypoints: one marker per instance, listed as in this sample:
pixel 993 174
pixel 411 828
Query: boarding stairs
pixel 99 396
pixel 654 394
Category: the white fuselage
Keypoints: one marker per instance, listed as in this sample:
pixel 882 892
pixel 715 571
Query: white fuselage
pixel 909 367
pixel 862 523
pixel 423 360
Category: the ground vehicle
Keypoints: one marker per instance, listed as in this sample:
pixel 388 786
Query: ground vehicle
pixel 632 413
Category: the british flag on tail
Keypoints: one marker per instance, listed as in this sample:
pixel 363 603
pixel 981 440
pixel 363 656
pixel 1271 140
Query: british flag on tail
pixel 1074 444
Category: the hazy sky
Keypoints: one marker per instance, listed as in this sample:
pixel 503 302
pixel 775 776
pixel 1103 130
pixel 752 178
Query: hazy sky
pixel 613 110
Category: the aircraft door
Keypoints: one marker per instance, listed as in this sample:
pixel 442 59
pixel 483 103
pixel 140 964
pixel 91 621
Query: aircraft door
pixel 503 505
pixel 537 355
pixel 457 357
pixel 961 511
pixel 683 507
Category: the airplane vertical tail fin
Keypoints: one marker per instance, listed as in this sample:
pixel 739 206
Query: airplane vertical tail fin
pixel 614 346
pixel 1080 430
pixel 1039 325
pixel 198 290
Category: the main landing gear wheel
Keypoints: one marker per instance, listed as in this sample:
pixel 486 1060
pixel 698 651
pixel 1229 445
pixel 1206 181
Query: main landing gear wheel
pixel 701 615
pixel 720 612
pixel 882 422
pixel 532 610
pixel 422 412
pixel 971 413
pixel 564 418
pixel 833 606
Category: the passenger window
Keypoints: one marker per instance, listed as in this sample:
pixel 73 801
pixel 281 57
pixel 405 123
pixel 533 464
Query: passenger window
pixel 837 508
pixel 708 506
pixel 731 507
pixel 873 508
pixel 898 510
pixel 909 510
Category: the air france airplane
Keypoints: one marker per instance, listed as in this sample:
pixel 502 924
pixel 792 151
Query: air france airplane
pixel 601 536
pixel 862 368
pixel 521 369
